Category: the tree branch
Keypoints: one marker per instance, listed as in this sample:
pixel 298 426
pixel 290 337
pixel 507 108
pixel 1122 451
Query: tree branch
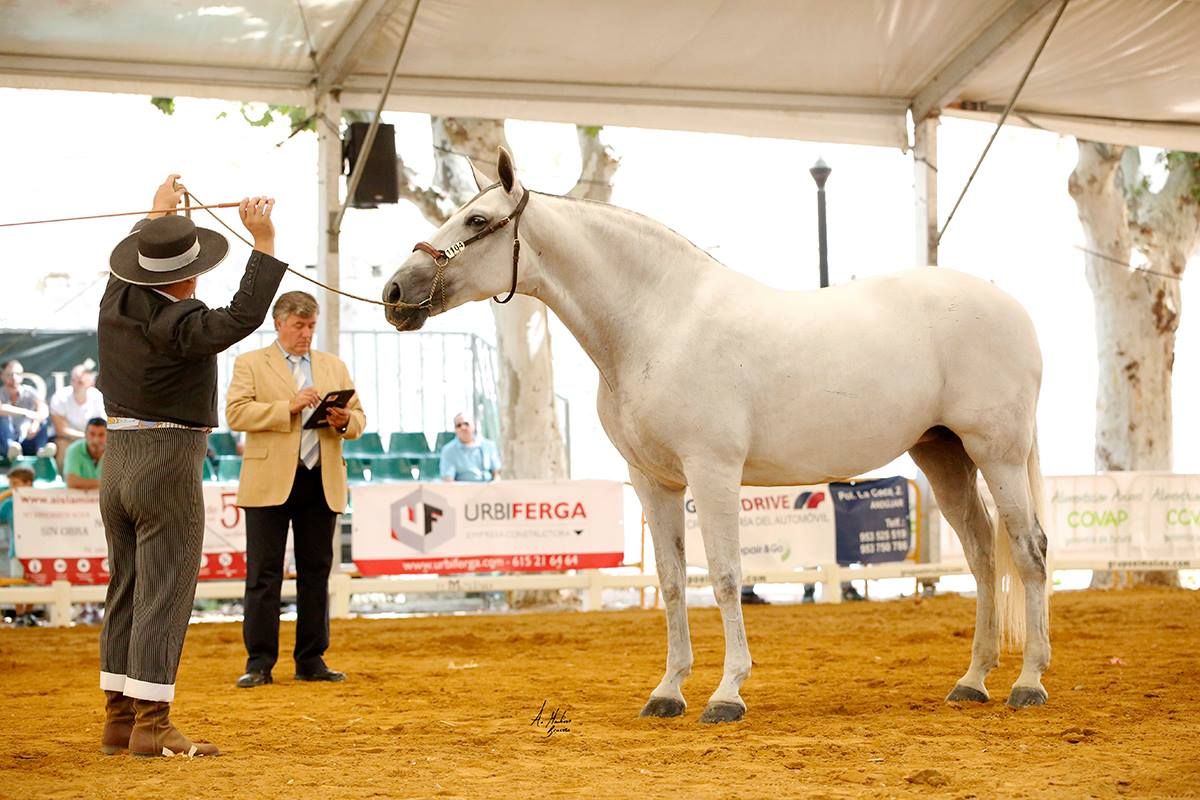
pixel 1167 227
pixel 599 165
pixel 432 202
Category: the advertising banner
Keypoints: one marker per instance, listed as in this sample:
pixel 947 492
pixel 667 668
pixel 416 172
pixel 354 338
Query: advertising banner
pixel 872 521
pixel 1124 516
pixel 782 528
pixel 790 527
pixel 507 526
pixel 59 535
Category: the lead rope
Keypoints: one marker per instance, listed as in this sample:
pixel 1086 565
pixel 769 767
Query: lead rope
pixel 429 300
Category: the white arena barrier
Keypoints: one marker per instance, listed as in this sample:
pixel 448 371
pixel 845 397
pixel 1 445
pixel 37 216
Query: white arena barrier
pixel 1115 521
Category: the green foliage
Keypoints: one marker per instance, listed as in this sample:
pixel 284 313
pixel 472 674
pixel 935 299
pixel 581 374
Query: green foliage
pixel 164 104
pixel 298 117
pixel 1176 159
pixel 592 131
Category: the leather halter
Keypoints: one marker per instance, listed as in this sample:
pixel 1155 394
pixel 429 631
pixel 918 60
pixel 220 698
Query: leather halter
pixel 442 258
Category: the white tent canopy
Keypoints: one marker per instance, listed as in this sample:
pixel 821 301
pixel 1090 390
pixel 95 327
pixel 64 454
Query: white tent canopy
pixel 1115 70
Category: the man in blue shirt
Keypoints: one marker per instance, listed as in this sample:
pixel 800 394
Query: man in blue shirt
pixel 469 457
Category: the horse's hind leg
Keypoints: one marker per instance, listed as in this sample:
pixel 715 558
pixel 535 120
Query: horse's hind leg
pixel 1010 487
pixel 952 474
pixel 717 492
pixel 664 512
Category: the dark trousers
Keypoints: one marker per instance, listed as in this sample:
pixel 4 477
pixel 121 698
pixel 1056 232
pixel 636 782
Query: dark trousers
pixel 266 540
pixel 29 445
pixel 152 505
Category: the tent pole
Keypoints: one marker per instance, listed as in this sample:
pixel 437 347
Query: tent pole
pixel 925 187
pixel 329 172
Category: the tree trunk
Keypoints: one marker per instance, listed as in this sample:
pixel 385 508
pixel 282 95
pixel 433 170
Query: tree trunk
pixel 1137 310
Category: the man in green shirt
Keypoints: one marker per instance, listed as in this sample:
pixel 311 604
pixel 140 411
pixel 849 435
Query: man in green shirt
pixel 83 462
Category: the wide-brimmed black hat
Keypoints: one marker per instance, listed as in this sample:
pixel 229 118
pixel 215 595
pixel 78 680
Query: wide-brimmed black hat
pixel 167 250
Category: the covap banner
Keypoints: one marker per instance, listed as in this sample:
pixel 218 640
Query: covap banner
pixel 789 527
pixel 508 526
pixel 1129 516
pixel 59 535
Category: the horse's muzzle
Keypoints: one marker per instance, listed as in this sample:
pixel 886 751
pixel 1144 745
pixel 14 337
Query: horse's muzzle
pixel 402 318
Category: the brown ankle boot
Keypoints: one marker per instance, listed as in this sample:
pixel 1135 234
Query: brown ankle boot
pixel 154 735
pixel 118 723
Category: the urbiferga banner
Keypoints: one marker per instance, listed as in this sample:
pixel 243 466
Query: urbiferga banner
pixel 59 535
pixel 506 526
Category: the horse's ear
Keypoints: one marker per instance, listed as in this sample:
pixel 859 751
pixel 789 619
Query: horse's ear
pixel 481 181
pixel 506 170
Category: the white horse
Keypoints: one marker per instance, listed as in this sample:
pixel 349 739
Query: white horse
pixel 712 381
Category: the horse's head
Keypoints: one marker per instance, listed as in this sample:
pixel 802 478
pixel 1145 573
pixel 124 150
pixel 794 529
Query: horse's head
pixel 474 255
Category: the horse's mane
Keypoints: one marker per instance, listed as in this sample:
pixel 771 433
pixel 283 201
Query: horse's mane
pixel 642 218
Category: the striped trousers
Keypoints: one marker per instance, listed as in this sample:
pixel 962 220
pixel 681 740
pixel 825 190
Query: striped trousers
pixel 153 509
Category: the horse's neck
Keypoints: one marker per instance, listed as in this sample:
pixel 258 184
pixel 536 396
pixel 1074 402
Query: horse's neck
pixel 615 278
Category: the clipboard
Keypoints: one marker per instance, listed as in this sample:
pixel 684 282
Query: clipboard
pixel 338 399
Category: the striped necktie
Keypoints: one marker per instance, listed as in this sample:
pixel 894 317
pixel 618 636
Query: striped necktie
pixel 310 443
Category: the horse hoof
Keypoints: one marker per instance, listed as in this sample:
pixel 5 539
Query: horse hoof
pixel 663 707
pixel 1025 696
pixel 968 694
pixel 722 712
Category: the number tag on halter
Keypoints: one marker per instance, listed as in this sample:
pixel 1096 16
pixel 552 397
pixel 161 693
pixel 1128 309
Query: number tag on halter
pixel 453 250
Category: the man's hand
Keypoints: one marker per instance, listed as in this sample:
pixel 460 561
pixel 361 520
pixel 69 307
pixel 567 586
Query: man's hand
pixel 338 417
pixel 305 398
pixel 256 216
pixel 167 197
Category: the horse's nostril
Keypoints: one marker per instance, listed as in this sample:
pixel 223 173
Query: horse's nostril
pixel 394 292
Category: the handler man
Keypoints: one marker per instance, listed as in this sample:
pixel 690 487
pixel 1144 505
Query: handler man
pixel 158 372
pixel 290 474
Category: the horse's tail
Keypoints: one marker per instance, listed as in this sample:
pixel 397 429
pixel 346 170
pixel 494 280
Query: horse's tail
pixel 1010 590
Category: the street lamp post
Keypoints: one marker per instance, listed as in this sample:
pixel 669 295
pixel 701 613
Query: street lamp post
pixel 820 173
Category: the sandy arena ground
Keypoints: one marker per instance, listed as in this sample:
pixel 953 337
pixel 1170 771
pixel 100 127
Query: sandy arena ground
pixel 845 702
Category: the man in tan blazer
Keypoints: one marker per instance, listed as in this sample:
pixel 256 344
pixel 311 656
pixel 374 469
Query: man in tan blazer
pixel 294 475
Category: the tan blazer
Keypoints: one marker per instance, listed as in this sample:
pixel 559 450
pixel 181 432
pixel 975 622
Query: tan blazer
pixel 257 403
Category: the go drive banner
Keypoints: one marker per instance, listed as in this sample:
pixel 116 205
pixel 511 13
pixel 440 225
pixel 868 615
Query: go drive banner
pixel 59 536
pixel 1127 516
pixel 507 526
pixel 788 527
pixel 781 527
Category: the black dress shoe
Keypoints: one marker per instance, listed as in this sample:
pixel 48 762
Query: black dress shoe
pixel 321 673
pixel 254 678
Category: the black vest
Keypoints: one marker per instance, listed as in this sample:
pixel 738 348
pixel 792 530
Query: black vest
pixel 158 357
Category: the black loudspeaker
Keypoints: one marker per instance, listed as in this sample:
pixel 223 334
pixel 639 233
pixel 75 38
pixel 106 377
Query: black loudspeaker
pixel 378 184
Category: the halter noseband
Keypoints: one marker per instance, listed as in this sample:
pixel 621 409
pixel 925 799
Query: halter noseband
pixel 442 258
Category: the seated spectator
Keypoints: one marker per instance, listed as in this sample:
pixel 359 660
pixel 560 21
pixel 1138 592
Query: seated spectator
pixel 72 406
pixel 84 458
pixel 10 567
pixel 468 457
pixel 25 413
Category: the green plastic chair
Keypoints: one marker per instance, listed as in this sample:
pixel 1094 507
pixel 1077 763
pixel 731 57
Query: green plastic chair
pixel 391 468
pixel 222 443
pixel 367 444
pixel 208 474
pixel 229 468
pixel 443 439
pixel 409 443
pixel 356 469
pixel 430 467
pixel 43 467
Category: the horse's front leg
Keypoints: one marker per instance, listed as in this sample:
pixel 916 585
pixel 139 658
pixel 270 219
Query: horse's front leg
pixel 664 512
pixel 717 495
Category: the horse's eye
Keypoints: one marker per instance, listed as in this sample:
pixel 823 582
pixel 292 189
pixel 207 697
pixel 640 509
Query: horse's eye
pixel 476 221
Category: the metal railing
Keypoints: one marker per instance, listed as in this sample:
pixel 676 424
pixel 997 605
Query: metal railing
pixel 414 382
